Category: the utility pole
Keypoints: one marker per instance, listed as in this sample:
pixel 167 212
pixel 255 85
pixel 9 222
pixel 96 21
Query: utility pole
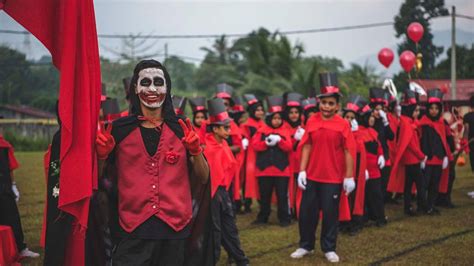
pixel 166 51
pixel 453 53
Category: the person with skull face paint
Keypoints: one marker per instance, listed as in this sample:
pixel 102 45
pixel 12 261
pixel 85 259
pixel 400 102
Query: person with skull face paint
pixel 435 145
pixel 161 176
pixel 409 159
pixel 327 159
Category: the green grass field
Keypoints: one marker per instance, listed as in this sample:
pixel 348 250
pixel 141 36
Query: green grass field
pixel 447 239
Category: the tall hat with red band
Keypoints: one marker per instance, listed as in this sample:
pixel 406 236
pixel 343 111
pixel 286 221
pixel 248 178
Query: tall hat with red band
pixel 217 112
pixel 179 103
pixel 103 95
pixel 198 104
pixel 238 105
pixel 435 96
pixel 378 96
pixel 409 98
pixel 309 103
pixel 356 104
pixel 224 91
pixel 250 99
pixel 275 104
pixel 328 85
pixel 293 99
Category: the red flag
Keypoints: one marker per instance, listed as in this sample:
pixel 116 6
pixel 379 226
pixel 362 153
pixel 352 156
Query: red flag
pixel 68 30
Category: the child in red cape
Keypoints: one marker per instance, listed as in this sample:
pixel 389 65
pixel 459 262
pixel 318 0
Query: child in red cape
pixel 223 167
pixel 273 145
pixel 326 168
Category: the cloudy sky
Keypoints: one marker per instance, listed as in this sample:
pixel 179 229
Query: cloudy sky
pixel 219 17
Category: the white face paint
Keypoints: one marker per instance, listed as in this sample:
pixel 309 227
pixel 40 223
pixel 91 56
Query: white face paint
pixel 151 87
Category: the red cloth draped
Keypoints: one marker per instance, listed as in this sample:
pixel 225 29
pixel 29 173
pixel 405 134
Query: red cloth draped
pixel 67 29
pixel 8 249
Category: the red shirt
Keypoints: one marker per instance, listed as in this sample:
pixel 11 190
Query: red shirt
pixel 329 139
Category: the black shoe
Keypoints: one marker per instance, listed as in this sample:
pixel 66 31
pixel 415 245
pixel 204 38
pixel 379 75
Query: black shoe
pixel 285 224
pixel 410 212
pixel 433 211
pixel 247 210
pixel 381 223
pixel 450 205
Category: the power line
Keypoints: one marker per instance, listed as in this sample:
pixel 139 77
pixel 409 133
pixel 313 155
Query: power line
pixel 464 16
pixel 206 36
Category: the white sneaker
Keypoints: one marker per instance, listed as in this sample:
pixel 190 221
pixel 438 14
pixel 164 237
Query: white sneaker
pixel 332 256
pixel 299 253
pixel 26 253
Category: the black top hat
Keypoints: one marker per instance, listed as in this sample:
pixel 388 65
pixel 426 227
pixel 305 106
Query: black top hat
pixel 378 96
pixel 356 104
pixel 435 95
pixel 198 104
pixel 110 106
pixel 250 99
pixel 224 91
pixel 309 103
pixel 238 105
pixel 275 104
pixel 126 86
pixel 179 103
pixel 293 99
pixel 409 98
pixel 329 85
pixel 217 112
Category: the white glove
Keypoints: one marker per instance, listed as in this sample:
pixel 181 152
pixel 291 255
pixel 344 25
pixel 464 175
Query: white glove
pixel 270 141
pixel 354 125
pixel 299 133
pixel 445 162
pixel 276 137
pixel 348 185
pixel 381 162
pixel 302 180
pixel 245 143
pixel 383 116
pixel 367 175
pixel 423 163
pixel 16 191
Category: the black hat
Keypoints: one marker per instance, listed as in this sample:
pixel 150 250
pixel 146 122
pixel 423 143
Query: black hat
pixel 103 95
pixel 217 112
pixel 110 107
pixel 409 98
pixel 435 95
pixel 356 104
pixel 238 105
pixel 250 99
pixel 293 99
pixel 126 85
pixel 224 91
pixel 275 104
pixel 328 85
pixel 198 104
pixel 309 103
pixel 179 103
pixel 378 96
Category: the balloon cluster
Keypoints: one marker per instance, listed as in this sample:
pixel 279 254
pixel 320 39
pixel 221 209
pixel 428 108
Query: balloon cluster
pixel 407 58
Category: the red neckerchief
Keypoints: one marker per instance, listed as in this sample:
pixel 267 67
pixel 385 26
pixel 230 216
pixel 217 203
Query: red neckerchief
pixel 158 124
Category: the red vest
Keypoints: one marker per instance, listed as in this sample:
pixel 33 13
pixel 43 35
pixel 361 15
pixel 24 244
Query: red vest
pixel 153 185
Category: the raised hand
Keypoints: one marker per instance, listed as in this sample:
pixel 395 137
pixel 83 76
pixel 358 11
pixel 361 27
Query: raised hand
pixel 191 139
pixel 104 143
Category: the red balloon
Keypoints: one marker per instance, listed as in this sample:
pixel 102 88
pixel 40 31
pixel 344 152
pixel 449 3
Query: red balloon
pixel 386 57
pixel 415 31
pixel 407 60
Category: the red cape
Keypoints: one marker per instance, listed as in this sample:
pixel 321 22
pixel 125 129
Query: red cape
pixel 360 136
pixel 396 181
pixel 440 128
pixel 251 190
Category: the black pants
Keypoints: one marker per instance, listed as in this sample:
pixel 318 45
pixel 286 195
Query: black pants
pixel 225 229
pixel 266 185
pixel 413 175
pixel 374 199
pixel 431 182
pixel 10 216
pixel 319 196
pixel 130 251
pixel 385 173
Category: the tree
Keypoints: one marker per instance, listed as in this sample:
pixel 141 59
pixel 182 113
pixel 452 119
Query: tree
pixel 464 64
pixel 181 73
pixel 358 79
pixel 421 11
